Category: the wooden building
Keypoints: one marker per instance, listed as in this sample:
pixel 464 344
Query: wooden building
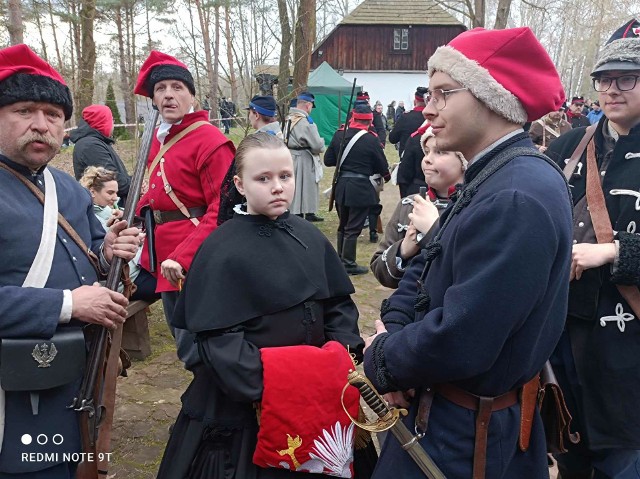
pixel 385 44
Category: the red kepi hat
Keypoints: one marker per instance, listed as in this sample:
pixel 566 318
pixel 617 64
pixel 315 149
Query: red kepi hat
pixel 491 64
pixel 158 67
pixel 24 76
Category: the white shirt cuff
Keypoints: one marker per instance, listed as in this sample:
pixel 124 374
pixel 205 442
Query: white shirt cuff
pixel 67 307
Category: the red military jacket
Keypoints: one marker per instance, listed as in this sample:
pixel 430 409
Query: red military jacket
pixel 195 167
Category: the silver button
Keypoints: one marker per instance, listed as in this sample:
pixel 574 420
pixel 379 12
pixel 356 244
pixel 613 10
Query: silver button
pixel 153 201
pixel 602 173
pixel 153 185
pixel 581 224
pixel 74 258
pixel 575 241
pixel 64 240
pixel 39 182
pixel 159 173
pixel 82 278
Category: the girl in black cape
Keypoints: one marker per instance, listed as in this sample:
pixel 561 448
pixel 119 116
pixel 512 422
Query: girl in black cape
pixel 264 278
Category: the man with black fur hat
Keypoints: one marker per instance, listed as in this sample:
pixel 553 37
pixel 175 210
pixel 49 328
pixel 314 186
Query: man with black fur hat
pixel 598 358
pixel 188 160
pixel 362 157
pixel 409 122
pixel 48 289
pixel 477 315
pixel 305 143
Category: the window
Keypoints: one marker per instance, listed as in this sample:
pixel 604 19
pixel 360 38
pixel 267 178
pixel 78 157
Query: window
pixel 401 39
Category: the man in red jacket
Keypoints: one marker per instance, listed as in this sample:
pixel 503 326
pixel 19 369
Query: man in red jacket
pixel 184 180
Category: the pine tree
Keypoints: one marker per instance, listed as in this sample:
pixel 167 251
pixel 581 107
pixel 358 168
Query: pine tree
pixel 119 132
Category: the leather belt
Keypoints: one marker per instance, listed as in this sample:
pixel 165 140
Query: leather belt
pixel 161 217
pixel 348 174
pixel 527 396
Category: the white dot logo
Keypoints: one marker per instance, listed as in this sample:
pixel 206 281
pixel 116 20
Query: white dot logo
pixel 42 439
pixel 26 439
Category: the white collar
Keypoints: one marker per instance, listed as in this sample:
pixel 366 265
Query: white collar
pixel 494 144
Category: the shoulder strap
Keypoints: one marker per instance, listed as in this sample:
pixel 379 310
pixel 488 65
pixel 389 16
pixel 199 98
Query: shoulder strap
pixel 577 153
pixel 352 142
pixel 173 141
pixel 93 259
pixel 602 222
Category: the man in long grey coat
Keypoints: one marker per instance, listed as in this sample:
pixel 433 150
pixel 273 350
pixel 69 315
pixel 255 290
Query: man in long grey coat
pixel 305 143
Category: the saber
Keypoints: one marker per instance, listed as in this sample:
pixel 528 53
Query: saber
pixel 389 418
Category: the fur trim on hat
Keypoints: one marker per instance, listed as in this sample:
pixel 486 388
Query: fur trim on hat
pixel 623 50
pixel 428 134
pixel 479 81
pixel 169 72
pixel 26 87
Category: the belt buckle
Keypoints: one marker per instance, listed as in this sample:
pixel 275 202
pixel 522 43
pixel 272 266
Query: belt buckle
pixel 157 216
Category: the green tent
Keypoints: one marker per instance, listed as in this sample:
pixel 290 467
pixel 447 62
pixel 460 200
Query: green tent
pixel 332 93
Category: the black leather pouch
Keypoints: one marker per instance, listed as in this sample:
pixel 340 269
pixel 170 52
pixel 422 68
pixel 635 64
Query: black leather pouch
pixel 37 364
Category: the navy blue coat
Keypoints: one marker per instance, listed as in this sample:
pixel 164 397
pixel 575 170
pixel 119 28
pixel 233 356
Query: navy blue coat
pixel 35 312
pixel 498 303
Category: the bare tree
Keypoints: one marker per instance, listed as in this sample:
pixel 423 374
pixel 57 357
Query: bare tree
pixel 15 26
pixel 285 51
pixel 87 57
pixel 305 34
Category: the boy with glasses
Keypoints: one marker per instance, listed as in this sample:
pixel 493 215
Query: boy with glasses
pixel 477 315
pixel 598 358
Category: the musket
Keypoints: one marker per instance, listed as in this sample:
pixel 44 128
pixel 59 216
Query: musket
pixel 389 419
pixel 336 172
pixel 96 398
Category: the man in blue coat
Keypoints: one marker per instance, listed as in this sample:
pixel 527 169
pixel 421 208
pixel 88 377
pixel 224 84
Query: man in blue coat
pixel 477 315
pixel 46 277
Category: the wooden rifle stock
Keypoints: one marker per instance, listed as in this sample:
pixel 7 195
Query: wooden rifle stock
pixel 96 399
pixel 336 172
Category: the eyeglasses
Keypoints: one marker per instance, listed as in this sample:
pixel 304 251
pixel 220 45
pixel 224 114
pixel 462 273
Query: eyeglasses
pixel 439 97
pixel 623 83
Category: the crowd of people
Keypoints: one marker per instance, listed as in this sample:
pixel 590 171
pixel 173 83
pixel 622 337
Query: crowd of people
pixel 512 252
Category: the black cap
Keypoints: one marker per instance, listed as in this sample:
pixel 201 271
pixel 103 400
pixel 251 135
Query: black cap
pixel 265 105
pixel 421 91
pixel 622 50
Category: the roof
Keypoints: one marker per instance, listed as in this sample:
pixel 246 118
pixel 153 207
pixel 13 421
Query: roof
pixel 399 12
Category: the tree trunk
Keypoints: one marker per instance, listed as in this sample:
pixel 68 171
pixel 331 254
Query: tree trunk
pixel 478 14
pixel 125 85
pixel 213 91
pixel 206 39
pixel 87 59
pixel 195 47
pixel 305 35
pixel 232 71
pixel 43 43
pixel 55 39
pixel 15 26
pixel 285 52
pixel 502 14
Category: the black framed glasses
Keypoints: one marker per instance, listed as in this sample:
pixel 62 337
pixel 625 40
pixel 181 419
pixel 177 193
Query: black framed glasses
pixel 623 82
pixel 439 97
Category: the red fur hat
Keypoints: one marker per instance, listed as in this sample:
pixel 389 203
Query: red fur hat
pixel 507 70
pixel 24 76
pixel 160 66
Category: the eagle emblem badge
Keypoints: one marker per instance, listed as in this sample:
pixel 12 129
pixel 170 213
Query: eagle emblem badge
pixel 44 354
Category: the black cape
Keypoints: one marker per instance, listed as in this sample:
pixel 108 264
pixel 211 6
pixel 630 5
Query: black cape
pixel 245 254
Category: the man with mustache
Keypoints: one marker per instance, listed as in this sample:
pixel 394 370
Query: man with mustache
pixel 184 181
pixel 477 315
pixel 598 358
pixel 48 271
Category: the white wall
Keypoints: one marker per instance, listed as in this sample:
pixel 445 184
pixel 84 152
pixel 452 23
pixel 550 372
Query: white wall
pixel 389 86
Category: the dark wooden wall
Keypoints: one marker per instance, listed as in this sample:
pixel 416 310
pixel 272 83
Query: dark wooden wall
pixel 370 47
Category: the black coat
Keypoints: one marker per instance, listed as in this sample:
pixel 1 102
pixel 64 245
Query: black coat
pixel 304 299
pixel 405 125
pixel 380 126
pixel 366 158
pixel 92 148
pixel 410 175
pixel 602 332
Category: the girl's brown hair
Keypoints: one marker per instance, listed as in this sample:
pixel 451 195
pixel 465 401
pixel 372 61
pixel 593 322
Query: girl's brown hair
pixel 259 139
